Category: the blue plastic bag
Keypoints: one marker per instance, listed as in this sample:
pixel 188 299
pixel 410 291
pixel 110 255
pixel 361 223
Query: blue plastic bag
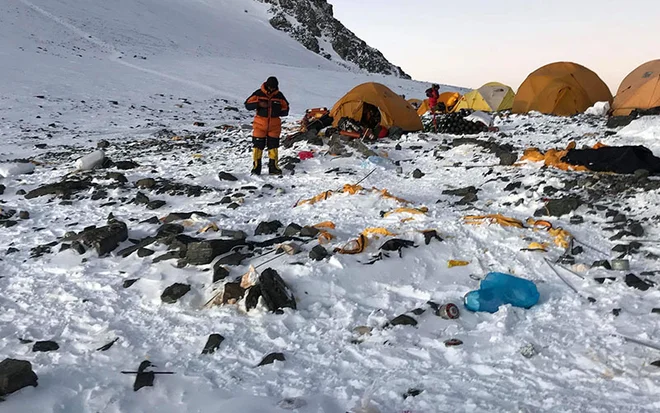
pixel 498 289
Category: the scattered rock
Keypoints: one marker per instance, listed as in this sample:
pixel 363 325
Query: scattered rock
pixel 636 229
pixel 232 293
pixel 144 252
pixel 417 174
pixel 24 215
pixel 318 253
pixel 468 199
pixel 12 250
pixel 104 239
pixel 62 189
pixel 45 346
pixel 233 205
pixel 167 230
pixel 219 272
pixel 156 204
pixel 226 200
pixel 226 176
pixel 275 293
pixel 559 207
pixel 78 247
pixel 233 234
pixel 15 375
pixel 102 144
pixel 460 191
pixel 309 232
pixel 213 343
pixel 602 263
pixel 268 228
pixel 204 252
pixel 252 297
pixel 125 165
pixel 234 258
pixel 412 393
pixel 117 176
pixel 635 282
pixel 129 282
pixel 513 186
pixel 180 216
pixel 404 320
pixel 576 220
pixel 271 358
pixel 618 218
pixel 174 292
pixel 145 183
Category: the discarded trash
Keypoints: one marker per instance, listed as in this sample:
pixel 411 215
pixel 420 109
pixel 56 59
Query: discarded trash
pixel 448 311
pixel 453 342
pixel 90 161
pixel 498 289
pixel 528 351
pixel 304 155
pixel 620 265
pixel 457 263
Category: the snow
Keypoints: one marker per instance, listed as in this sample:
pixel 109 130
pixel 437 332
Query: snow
pixel 582 364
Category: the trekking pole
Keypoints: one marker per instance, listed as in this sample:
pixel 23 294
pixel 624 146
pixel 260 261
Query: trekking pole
pixel 571 286
pixel 590 247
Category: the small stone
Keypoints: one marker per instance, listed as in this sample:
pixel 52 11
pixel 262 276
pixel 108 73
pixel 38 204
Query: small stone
pixel 576 220
pixel 412 393
pixel 129 282
pixel 468 199
pixel 417 174
pixel 528 351
pixel 78 247
pixel 102 144
pixel 292 230
pixel 513 186
pixel 559 207
pixel 145 183
pixel 145 252
pixel 117 176
pixel 616 312
pixel 140 198
pixel 507 158
pixel 274 292
pixel 219 272
pixel 635 282
pixel 174 292
pixel 271 358
pixel 318 253
pixel 577 250
pixel 232 293
pixel 45 346
pixel 213 343
pixel 225 176
pixel 309 232
pixel 602 263
pixel 235 258
pixel 125 165
pixel 19 192
pixel 452 342
pixel 24 215
pixel 252 297
pixel 15 375
pixel 460 191
pixel 226 200
pixel 12 250
pixel 233 205
pixel 156 204
pixel 403 319
pixel 636 229
pixel 268 228
pixel 618 218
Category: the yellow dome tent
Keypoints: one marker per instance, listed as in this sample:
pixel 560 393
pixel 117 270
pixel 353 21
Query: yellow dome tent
pixel 491 97
pixel 394 110
pixel 562 89
pixel 639 90
pixel 448 98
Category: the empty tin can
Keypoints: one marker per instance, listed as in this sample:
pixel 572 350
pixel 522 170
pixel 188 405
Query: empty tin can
pixel 448 311
pixel 620 265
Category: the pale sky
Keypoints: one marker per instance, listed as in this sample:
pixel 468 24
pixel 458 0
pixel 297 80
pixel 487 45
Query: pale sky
pixel 470 42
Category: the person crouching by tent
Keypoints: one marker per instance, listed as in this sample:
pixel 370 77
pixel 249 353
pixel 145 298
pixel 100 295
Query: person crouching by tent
pixel 270 105
pixel 433 93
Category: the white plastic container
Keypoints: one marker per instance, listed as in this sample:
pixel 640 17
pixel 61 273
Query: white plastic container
pixel 90 161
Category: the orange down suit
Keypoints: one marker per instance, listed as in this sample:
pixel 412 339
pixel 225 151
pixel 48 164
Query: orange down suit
pixel 267 123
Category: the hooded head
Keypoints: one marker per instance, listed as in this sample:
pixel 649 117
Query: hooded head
pixel 272 83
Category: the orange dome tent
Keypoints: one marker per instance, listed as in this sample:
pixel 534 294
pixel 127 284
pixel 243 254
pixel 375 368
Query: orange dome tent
pixel 394 110
pixel 448 98
pixel 562 89
pixel 639 90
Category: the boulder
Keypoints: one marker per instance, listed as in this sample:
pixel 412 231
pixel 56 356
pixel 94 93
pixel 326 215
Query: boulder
pixel 226 176
pixel 145 183
pixel 155 204
pixel 234 258
pixel 105 239
pixel 140 198
pixel 309 232
pixel 213 343
pixel 15 375
pixel 318 253
pixel 559 207
pixel 403 319
pixel 292 230
pixel 174 292
pixel 267 228
pixel 203 252
pixel 45 346
pixel 271 358
pixel 63 189
pixel 276 295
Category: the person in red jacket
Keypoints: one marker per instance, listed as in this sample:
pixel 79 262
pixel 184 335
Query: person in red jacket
pixel 270 105
pixel 433 93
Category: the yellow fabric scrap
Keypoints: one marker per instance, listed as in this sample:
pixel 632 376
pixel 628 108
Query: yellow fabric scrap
pixel 352 190
pixel 379 231
pixel 325 224
pixel 355 246
pixel 493 219
pixel 324 237
pixel 457 263
pixel 537 246
pixel 418 211
pixel 210 227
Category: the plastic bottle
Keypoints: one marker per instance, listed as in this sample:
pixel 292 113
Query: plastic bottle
pixel 90 161
pixel 498 289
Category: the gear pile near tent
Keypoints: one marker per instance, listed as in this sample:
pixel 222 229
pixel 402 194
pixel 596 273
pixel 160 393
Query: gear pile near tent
pixel 491 97
pixel 449 99
pixel 394 109
pixel 562 89
pixel 639 90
